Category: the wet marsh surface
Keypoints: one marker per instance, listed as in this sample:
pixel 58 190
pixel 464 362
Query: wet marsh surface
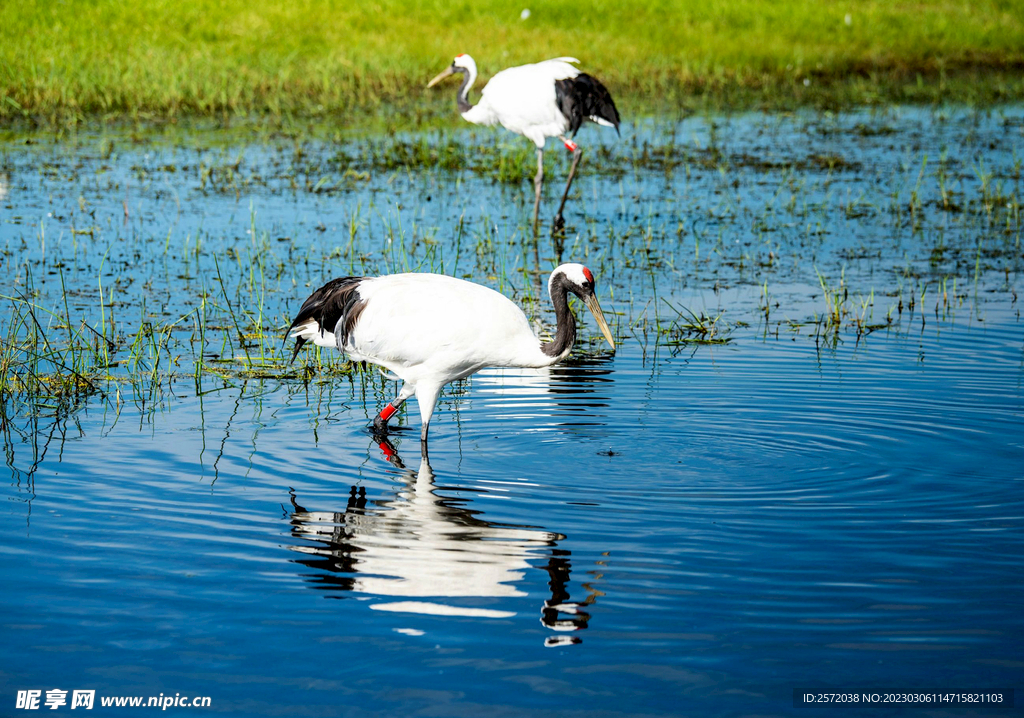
pixel 801 468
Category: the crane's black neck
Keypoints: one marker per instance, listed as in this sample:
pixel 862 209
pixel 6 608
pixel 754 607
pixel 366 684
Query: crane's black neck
pixel 462 98
pixel 565 329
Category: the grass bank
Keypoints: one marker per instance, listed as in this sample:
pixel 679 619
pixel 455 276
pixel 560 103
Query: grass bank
pixel 161 59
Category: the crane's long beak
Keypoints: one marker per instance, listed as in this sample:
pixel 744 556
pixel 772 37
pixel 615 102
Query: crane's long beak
pixel 447 71
pixel 595 309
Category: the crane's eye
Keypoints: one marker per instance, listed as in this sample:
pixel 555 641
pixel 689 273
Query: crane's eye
pixel 588 285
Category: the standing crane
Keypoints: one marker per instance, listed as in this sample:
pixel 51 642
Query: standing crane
pixel 431 329
pixel 546 99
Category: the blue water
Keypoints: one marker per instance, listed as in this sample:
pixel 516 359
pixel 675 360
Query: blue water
pixel 683 529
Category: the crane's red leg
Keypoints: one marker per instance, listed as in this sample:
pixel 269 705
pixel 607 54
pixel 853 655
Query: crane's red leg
pixel 386 413
pixel 380 422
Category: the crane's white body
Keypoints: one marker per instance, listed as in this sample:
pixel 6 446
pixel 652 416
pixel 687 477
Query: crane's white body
pixel 545 99
pixel 431 329
pixel 522 100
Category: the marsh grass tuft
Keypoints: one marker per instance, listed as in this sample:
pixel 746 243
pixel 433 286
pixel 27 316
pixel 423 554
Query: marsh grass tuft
pixel 689 327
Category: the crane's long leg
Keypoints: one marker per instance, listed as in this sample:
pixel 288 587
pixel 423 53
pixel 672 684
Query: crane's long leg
pixel 426 397
pixel 538 181
pixel 577 153
pixel 380 422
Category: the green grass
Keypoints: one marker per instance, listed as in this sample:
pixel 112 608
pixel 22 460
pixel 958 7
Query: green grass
pixel 66 61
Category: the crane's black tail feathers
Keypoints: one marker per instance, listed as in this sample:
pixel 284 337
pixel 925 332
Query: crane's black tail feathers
pixel 335 307
pixel 584 98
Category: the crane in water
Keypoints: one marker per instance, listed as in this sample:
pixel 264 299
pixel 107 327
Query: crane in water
pixel 431 329
pixel 545 99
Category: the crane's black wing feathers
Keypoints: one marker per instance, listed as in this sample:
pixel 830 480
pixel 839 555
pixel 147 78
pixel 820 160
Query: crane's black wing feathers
pixel 335 307
pixel 583 97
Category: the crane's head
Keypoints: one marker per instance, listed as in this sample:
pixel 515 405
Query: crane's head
pixel 580 281
pixel 462 63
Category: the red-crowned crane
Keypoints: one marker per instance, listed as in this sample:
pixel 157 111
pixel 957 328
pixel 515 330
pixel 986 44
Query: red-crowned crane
pixel 431 329
pixel 546 99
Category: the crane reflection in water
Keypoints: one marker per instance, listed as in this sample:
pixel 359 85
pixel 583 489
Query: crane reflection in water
pixel 421 552
pixel 571 398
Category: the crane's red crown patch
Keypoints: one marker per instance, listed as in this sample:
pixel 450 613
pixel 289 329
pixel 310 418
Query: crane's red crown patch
pixel 588 275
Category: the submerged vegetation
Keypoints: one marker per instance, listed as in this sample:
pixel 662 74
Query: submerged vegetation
pixel 65 62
